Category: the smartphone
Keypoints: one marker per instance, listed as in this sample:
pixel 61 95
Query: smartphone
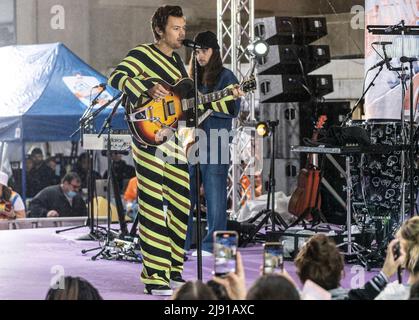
pixel 396 250
pixel 273 257
pixel 225 248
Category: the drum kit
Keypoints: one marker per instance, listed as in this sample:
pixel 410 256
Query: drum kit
pixel 382 187
pixel 379 181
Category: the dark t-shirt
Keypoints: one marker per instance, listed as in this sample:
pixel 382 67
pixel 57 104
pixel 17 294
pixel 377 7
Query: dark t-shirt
pixel 40 178
pixel 53 198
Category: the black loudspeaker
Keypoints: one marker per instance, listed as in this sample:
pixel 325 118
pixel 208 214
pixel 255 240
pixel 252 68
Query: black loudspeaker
pixel 287 58
pixel 292 88
pixel 290 30
pixel 244 229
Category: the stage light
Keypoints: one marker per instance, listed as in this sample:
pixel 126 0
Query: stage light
pixel 258 48
pixel 262 129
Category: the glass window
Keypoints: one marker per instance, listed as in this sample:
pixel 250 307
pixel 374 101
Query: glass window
pixel 7 22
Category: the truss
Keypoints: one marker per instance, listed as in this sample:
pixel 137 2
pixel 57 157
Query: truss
pixel 235 30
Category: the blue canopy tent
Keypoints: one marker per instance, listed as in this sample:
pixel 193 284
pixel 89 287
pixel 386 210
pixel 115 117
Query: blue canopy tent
pixel 45 89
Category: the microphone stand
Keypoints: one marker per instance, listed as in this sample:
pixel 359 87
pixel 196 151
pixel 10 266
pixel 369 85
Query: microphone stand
pixel 86 121
pixel 106 248
pixel 197 172
pixel 349 115
pixel 412 143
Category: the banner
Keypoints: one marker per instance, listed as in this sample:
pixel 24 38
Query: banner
pixel 385 99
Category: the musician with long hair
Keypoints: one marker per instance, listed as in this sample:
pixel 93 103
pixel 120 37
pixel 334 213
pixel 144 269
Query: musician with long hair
pixel 212 76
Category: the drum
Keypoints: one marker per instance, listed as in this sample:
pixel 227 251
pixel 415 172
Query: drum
pixel 376 178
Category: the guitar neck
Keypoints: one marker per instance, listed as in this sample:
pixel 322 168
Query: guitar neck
pixel 210 97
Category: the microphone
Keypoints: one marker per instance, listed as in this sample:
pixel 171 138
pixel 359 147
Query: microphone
pixel 407 59
pixel 394 27
pixel 101 88
pixel 191 44
pixel 379 64
pixel 382 43
pixel 102 85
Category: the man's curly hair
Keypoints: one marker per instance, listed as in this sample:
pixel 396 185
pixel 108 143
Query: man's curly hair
pixel 161 16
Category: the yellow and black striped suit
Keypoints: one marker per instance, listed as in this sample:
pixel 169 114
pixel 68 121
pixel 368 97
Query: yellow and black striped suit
pixel 162 229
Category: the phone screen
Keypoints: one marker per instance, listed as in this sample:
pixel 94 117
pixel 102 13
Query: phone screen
pixel 273 257
pixel 396 251
pixel 225 247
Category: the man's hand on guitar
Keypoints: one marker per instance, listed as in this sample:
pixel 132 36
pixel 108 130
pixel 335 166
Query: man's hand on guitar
pixel 158 92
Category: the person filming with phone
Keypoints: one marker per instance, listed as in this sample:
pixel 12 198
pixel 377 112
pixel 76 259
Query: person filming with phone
pixel 406 248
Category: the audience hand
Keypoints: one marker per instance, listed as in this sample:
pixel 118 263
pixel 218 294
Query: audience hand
pixel 390 264
pixel 8 211
pixel 235 283
pixel 284 273
pixel 52 213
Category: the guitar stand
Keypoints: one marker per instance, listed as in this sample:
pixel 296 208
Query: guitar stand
pixel 269 212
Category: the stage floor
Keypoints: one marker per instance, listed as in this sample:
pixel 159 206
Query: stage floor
pixel 30 258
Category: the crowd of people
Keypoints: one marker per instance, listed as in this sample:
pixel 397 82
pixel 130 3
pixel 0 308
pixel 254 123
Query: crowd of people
pixel 50 194
pixel 319 262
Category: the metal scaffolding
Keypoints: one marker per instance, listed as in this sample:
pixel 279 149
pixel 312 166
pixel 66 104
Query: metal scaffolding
pixel 235 30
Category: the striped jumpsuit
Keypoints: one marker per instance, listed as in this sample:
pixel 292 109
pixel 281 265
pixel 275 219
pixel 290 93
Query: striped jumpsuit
pixel 162 229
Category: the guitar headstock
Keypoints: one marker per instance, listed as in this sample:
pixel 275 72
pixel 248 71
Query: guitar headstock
pixel 321 121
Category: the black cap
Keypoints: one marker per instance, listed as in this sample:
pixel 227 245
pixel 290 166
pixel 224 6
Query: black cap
pixel 36 151
pixel 207 39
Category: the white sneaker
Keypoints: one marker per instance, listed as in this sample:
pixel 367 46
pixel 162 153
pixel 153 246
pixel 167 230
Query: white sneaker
pixel 158 290
pixel 204 253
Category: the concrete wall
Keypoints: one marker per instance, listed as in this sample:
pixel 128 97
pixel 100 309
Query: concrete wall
pixel 102 31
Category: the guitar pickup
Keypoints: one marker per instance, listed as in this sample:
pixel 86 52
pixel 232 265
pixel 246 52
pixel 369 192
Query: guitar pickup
pixel 170 107
pixel 185 105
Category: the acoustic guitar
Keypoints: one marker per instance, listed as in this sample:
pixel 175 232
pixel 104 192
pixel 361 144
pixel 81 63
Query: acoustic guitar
pixel 306 197
pixel 154 122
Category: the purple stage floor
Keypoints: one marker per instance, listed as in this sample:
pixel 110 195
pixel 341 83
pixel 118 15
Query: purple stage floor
pixel 30 258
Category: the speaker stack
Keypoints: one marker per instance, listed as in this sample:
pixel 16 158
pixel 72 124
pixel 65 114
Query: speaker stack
pixel 284 83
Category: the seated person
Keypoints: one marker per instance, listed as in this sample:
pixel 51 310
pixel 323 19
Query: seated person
pixel 121 170
pixel 63 200
pixel 11 204
pixel 273 287
pixel 320 261
pixel 73 288
pixel 40 175
pixel 194 290
pixel 81 168
pixel 408 240
pixel 130 197
pixel 52 163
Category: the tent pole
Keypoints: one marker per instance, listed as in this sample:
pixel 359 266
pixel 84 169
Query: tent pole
pixel 1 154
pixel 23 173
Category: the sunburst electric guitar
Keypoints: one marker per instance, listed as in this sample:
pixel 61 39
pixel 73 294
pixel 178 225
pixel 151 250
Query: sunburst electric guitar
pixel 153 122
